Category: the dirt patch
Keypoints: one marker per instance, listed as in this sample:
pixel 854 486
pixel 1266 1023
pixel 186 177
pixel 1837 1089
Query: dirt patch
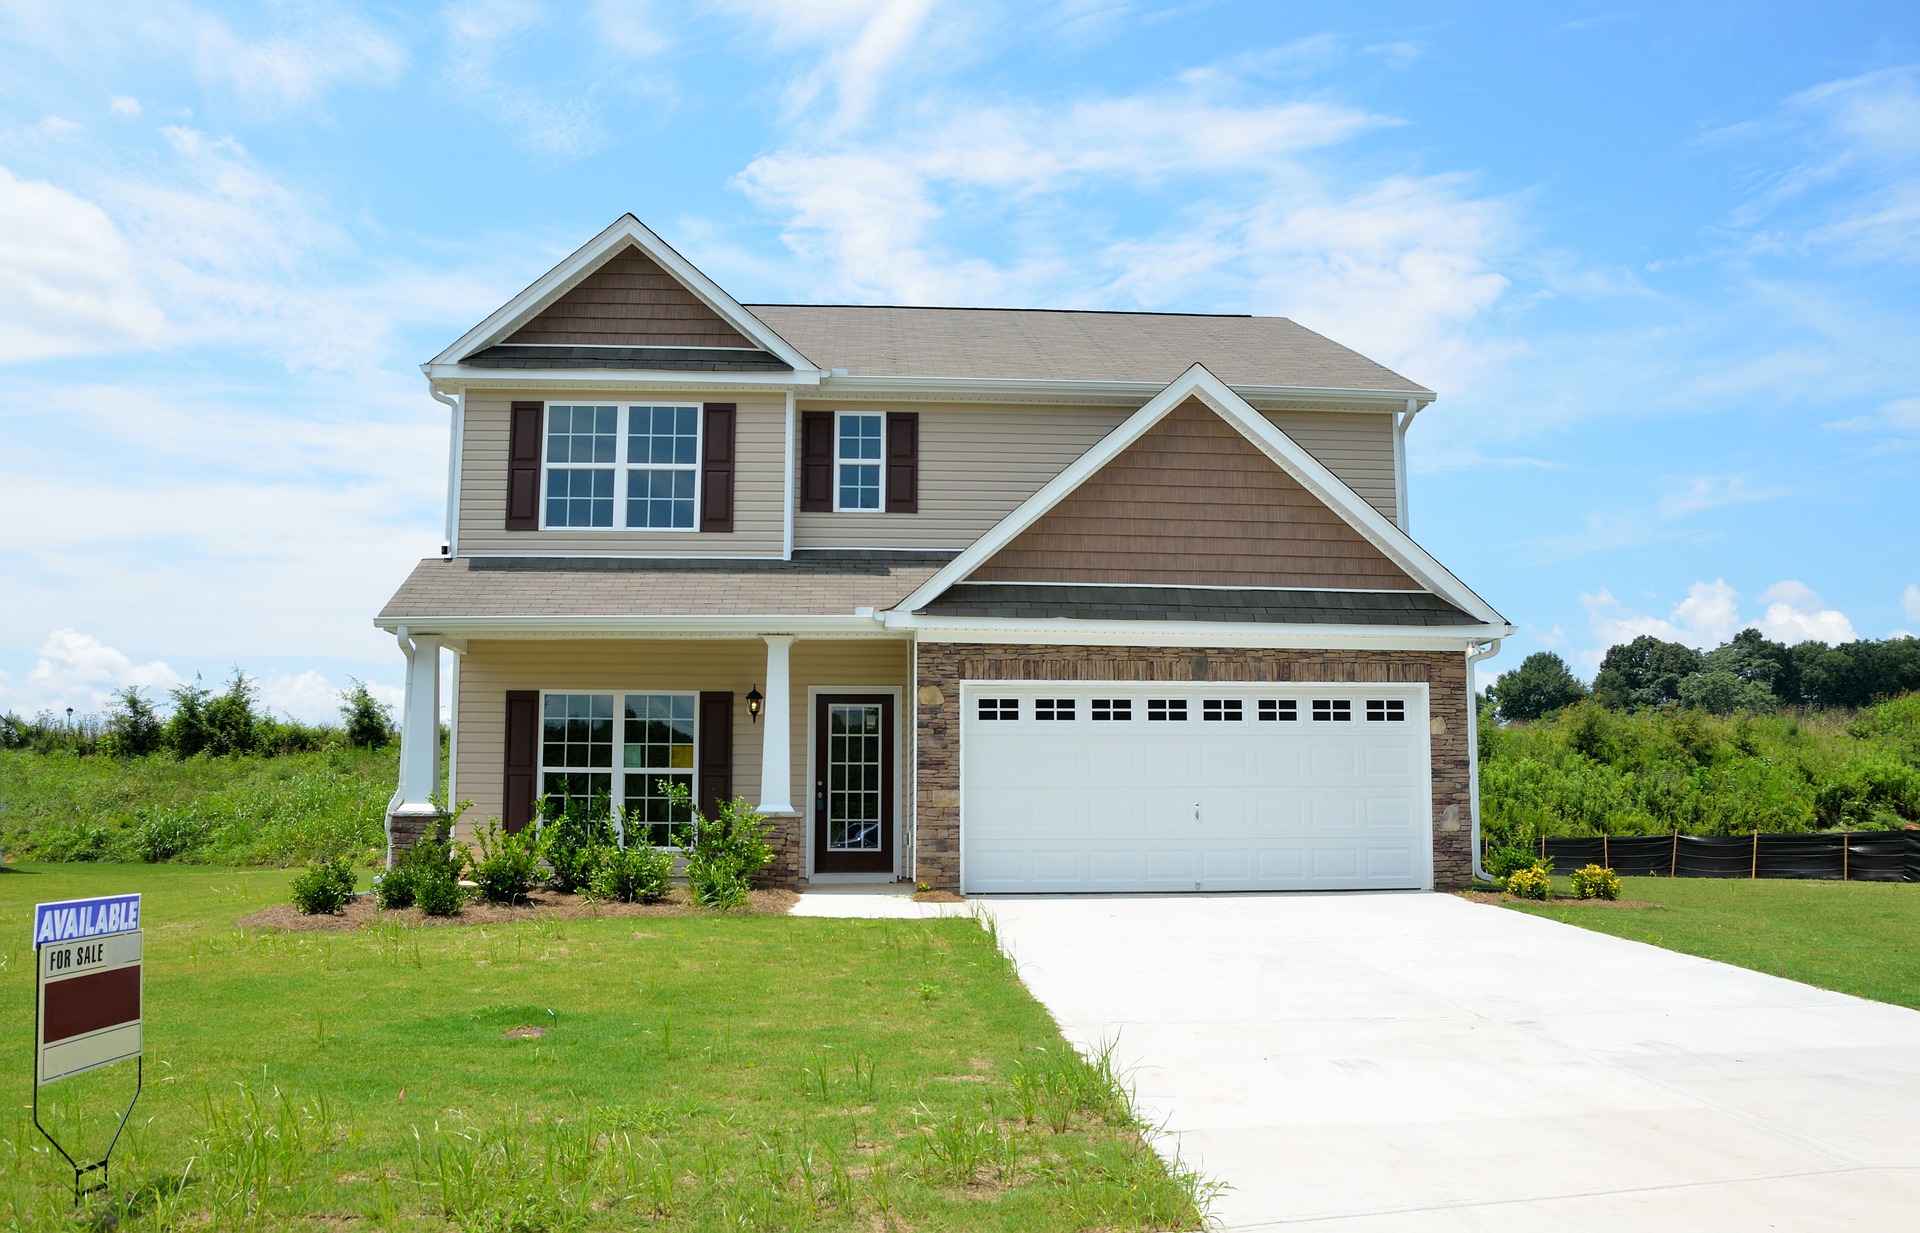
pixel 362 913
pixel 1558 901
pixel 938 896
pixel 523 1033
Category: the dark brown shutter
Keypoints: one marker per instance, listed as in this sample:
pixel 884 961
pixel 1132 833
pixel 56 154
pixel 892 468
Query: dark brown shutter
pixel 816 460
pixel 716 751
pixel 903 462
pixel 523 467
pixel 716 467
pixel 523 757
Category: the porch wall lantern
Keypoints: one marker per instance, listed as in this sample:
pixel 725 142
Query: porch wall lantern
pixel 754 702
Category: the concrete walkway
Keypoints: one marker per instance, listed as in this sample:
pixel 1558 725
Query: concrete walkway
pixel 867 901
pixel 1418 1062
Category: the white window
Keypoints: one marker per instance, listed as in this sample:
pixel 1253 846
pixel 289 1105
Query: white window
pixel 587 487
pixel 1283 710
pixel 1170 709
pixel 655 739
pixel 1221 710
pixel 999 708
pixel 1053 708
pixel 1386 710
pixel 1332 710
pixel 858 451
pixel 1113 710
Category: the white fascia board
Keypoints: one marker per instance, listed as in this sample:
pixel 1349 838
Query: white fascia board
pixel 1002 389
pixel 1198 382
pixel 649 626
pixel 584 260
pixel 462 376
pixel 1191 633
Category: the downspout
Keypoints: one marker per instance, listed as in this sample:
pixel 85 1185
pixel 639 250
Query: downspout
pixel 456 436
pixel 1475 653
pixel 1401 422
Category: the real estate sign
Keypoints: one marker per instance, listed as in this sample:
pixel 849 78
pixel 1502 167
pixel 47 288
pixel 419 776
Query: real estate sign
pixel 87 955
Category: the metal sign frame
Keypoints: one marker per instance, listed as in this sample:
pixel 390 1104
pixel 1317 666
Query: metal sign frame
pixel 67 923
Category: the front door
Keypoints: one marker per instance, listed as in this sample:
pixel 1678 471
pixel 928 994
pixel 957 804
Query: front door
pixel 853 783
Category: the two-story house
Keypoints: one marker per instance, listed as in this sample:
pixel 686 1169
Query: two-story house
pixel 995 600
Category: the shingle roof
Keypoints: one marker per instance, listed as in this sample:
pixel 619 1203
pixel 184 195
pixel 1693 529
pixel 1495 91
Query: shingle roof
pixel 812 584
pixel 1039 344
pixel 1263 606
pixel 676 359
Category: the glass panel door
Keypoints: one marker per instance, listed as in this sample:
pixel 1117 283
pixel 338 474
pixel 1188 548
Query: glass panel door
pixel 853 757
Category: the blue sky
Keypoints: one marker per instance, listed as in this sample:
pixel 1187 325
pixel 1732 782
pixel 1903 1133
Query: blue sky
pixel 1662 263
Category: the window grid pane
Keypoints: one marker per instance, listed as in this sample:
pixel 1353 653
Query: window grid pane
pixel 1221 709
pixel 663 450
pixel 854 778
pixel 859 453
pixel 1170 709
pixel 1113 709
pixel 1053 708
pixel 1282 709
pixel 580 456
pixel 1386 710
pixel 1336 710
pixel 657 748
pixel 576 747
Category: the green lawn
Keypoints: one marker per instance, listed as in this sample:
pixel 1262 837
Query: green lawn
pixel 1861 938
pixel 694 1072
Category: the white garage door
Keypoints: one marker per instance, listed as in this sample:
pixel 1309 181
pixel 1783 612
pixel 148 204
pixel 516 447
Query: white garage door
pixel 1095 786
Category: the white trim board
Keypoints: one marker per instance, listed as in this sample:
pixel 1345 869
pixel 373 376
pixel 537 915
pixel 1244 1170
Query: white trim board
pixel 589 257
pixel 1304 468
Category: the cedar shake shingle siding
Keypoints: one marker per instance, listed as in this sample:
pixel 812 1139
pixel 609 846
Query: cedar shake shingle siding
pixel 1194 503
pixel 1227 605
pixel 630 302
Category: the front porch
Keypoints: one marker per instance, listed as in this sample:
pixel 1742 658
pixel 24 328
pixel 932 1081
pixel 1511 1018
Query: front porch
pixel 827 757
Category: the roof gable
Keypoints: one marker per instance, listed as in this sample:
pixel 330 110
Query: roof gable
pixel 625 287
pixel 1198 384
pixel 1192 502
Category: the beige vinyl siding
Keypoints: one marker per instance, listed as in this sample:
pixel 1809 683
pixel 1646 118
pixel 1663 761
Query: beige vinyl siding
pixel 760 441
pixel 977 464
pixel 492 667
pixel 1358 448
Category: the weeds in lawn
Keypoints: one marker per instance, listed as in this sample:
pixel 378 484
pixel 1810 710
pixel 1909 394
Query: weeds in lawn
pixel 956 1147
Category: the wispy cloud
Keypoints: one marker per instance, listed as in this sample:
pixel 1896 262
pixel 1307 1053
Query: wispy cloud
pixel 69 281
pixel 1709 492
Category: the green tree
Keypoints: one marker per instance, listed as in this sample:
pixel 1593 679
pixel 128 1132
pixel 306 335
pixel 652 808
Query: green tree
pixel 1722 692
pixel 1755 660
pixel 1644 673
pixel 187 727
pixel 133 727
pixel 1541 685
pixel 368 722
pixel 233 718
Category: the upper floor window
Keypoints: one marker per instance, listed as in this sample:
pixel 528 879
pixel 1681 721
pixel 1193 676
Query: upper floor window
pixel 857 460
pixel 587 487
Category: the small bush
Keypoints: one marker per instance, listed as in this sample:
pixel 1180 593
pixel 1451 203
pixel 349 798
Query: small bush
pixel 638 874
pixel 367 720
pixel 723 854
pixel 1529 883
pixel 574 830
pixel 324 889
pixel 508 864
pixel 393 889
pixel 1505 862
pixel 439 895
pixel 1594 882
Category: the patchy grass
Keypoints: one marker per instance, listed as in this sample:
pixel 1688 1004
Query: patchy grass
pixel 678 1073
pixel 1861 938
pixel 283 810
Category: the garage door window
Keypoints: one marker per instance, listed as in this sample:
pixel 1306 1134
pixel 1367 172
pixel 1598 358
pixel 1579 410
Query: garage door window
pixel 1282 710
pixel 1053 708
pixel 1226 710
pixel 999 708
pixel 1335 710
pixel 1113 710
pixel 1172 709
pixel 1386 710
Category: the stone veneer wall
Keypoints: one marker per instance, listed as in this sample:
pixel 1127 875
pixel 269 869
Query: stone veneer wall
pixel 787 835
pixel 939 667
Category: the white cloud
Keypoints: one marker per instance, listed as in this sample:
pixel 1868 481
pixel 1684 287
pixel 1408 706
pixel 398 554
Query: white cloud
pixel 123 105
pixel 78 670
pixel 1796 614
pixel 1709 492
pixel 632 28
pixel 865 42
pixel 1910 602
pixel 295 66
pixel 69 281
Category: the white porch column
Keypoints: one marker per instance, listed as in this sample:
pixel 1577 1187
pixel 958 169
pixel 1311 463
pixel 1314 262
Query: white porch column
pixel 776 736
pixel 412 810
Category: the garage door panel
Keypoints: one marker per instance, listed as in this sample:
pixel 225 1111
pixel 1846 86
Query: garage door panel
pixel 1080 805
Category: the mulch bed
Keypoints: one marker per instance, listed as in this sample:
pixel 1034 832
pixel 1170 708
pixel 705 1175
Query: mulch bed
pixel 938 896
pixel 1558 901
pixel 361 912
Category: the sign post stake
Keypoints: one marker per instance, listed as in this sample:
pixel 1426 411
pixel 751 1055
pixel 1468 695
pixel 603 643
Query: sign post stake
pixel 87 1007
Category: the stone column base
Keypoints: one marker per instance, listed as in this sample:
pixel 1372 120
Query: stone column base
pixel 407 826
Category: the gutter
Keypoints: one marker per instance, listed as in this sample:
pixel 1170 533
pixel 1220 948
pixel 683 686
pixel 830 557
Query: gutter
pixel 1474 655
pixel 1402 422
pixel 456 437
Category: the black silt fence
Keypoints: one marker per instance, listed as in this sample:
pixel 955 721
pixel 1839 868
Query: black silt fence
pixel 1869 856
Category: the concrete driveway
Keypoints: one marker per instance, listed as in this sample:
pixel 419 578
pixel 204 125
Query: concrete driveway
pixel 1418 1062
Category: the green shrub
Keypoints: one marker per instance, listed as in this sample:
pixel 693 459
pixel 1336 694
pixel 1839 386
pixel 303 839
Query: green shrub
pixel 367 721
pixel 393 889
pixel 324 888
pixel 637 874
pixel 1530 883
pixel 167 834
pixel 508 864
pixel 1594 882
pixel 573 830
pixel 1505 862
pixel 723 854
pixel 437 894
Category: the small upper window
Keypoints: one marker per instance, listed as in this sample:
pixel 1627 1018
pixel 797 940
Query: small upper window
pixel 1335 710
pixel 1170 709
pixel 1283 710
pixel 662 445
pixel 580 465
pixel 857 461
pixel 1386 710
pixel 999 708
pixel 1113 709
pixel 1053 708
pixel 1222 710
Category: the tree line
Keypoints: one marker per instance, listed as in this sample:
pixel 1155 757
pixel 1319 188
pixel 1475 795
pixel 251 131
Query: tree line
pixel 199 721
pixel 1749 672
